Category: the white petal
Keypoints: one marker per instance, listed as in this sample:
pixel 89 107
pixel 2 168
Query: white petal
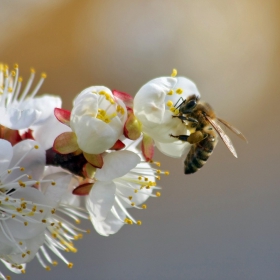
pixel 175 149
pixel 18 229
pixel 18 119
pixel 6 154
pixel 111 224
pixel 33 160
pixel 149 101
pixel 117 164
pixel 46 133
pixel 32 245
pixel 95 136
pixel 44 104
pixel 101 199
pixel 56 192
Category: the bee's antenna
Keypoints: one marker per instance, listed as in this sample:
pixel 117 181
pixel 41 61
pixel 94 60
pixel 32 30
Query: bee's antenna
pixel 181 98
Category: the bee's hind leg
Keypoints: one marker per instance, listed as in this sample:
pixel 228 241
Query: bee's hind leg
pixel 193 138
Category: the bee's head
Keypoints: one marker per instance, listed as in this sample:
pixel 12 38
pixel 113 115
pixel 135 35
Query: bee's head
pixel 188 105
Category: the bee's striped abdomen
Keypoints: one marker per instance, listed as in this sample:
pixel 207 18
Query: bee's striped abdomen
pixel 200 152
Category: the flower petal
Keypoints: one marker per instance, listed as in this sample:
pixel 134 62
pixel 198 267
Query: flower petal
pixel 101 199
pixel 117 164
pixel 6 154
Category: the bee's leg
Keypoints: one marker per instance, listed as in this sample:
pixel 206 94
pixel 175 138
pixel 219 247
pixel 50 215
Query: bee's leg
pixel 186 118
pixel 182 137
pixel 196 137
pixel 193 138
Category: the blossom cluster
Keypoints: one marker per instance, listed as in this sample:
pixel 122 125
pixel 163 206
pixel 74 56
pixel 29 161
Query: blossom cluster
pixel 59 166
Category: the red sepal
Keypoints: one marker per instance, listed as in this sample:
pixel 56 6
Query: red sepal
pixel 118 145
pixel 83 189
pixel 125 97
pixel 148 147
pixel 62 115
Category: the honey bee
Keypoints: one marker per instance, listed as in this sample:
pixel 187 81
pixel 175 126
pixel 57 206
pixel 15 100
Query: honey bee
pixel 201 117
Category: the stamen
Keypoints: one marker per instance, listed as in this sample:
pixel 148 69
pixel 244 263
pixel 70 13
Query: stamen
pixel 174 73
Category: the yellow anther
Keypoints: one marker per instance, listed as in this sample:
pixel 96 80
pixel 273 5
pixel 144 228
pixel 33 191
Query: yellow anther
pixel 9 171
pixel 130 197
pixel 13 73
pixel 20 243
pixel 176 111
pixel 179 91
pixel 172 109
pixel 132 204
pixel 36 147
pixel 139 223
pixel 102 92
pixel 25 223
pixel 32 70
pixel 22 169
pixel 158 194
pixel 166 172
pixel 53 211
pixel 47 268
pixel 20 79
pixel 174 73
pixel 29 177
pixel 55 263
pixel 80 235
pixel 44 75
pixel 23 271
pixel 70 265
pixel 28 252
pixel 139 178
pixel 6 198
pixel 77 221
pixel 13 216
pixel 41 210
pixel 157 177
pixel 52 224
pixel 135 191
pixel 144 206
pixel 88 230
pixel 15 66
pixel 53 183
pixel 8 277
pixel 158 171
pixel 44 221
pixel 170 92
pixel 23 255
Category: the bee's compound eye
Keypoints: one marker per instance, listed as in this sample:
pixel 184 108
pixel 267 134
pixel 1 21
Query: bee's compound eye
pixel 189 106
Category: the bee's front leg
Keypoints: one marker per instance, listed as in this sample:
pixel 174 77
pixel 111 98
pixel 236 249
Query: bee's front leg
pixel 182 137
pixel 186 118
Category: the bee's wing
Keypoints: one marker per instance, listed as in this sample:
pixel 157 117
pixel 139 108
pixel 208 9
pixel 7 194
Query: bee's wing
pixel 233 129
pixel 222 134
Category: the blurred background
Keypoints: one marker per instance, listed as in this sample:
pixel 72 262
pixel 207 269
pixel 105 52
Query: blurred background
pixel 220 223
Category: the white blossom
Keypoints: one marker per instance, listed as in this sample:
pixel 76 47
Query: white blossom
pixel 155 104
pixel 97 118
pixel 124 181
